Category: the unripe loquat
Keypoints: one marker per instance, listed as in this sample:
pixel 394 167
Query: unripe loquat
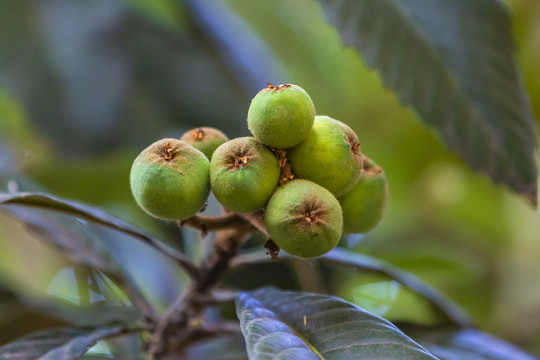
pixel 170 179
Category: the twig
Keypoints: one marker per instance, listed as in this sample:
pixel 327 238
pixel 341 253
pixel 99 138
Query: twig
pixel 174 328
pixel 124 332
pixel 210 223
pixel 257 220
pixel 205 332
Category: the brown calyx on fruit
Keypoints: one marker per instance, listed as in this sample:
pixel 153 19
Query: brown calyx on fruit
pixel 198 134
pixel 370 168
pixel 285 170
pixel 311 213
pixel 239 157
pixel 275 89
pixel 240 162
pixel 168 151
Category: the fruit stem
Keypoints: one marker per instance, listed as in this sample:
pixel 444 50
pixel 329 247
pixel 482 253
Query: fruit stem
pixel 256 219
pixel 182 323
pixel 211 223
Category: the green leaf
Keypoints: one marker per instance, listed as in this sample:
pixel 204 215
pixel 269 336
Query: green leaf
pixel 55 344
pixel 440 302
pixel 454 62
pixel 50 202
pixel 468 344
pixel 349 259
pixel 297 325
pixel 76 241
pixel 377 298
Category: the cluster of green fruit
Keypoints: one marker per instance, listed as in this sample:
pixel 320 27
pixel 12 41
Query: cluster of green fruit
pixel 305 171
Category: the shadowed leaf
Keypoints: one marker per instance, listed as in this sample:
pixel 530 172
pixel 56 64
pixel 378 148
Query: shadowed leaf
pixel 348 259
pixel 50 202
pixel 454 62
pixel 78 245
pixel 55 344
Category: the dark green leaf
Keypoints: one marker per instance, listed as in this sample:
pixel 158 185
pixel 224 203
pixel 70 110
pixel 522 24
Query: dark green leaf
pixel 342 257
pixel 454 62
pixel 297 325
pixel 468 344
pixel 54 203
pixel 228 347
pixel 55 344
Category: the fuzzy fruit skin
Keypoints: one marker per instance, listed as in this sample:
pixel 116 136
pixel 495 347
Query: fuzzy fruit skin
pixel 243 174
pixel 172 189
pixel 205 139
pixel 281 116
pixel 365 205
pixel 326 156
pixel 286 219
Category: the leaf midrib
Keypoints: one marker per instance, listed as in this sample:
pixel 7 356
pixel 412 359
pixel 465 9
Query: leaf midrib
pixel 312 347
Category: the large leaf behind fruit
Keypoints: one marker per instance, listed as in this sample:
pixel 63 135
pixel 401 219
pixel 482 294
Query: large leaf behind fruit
pixel 297 325
pixel 453 61
pixel 341 257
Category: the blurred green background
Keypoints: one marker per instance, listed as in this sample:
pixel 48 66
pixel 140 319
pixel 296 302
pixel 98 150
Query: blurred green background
pixel 86 85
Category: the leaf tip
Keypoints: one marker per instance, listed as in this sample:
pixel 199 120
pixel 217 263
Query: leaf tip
pixel 531 194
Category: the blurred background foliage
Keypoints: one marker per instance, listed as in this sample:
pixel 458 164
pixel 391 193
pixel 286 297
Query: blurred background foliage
pixel 86 85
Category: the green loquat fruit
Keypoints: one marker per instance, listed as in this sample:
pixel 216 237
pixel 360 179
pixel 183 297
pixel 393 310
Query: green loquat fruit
pixel 205 139
pixel 243 174
pixel 365 205
pixel 170 179
pixel 281 116
pixel 329 156
pixel 304 219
